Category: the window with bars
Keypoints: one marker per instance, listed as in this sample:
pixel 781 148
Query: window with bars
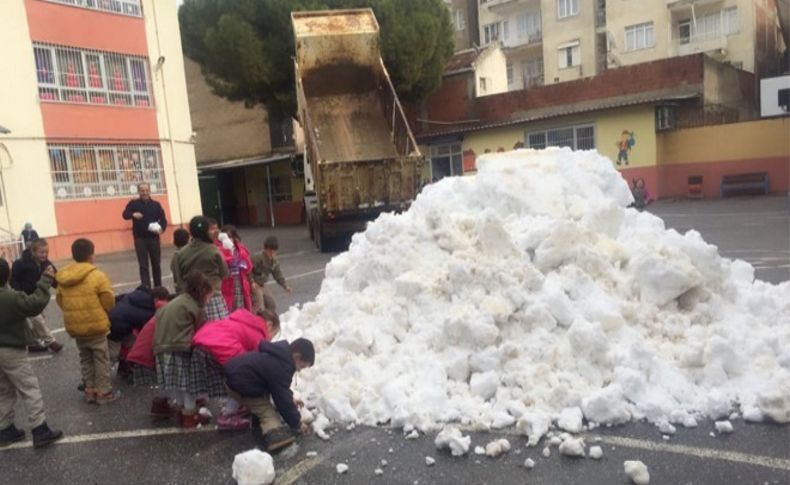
pixel 123 7
pixel 639 37
pixel 71 75
pixel 101 171
pixel 580 137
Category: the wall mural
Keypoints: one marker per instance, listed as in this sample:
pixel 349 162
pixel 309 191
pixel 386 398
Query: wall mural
pixel 624 145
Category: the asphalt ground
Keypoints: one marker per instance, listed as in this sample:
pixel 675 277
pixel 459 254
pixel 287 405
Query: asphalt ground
pixel 118 444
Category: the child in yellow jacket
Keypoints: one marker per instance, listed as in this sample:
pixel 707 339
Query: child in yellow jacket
pixel 85 295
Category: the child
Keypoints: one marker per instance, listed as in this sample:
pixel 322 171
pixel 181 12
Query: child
pixel 263 265
pixel 176 324
pixel 202 255
pixel 641 195
pixel 25 274
pixel 128 316
pixel 255 377
pixel 180 239
pixel 215 344
pixel 236 287
pixel 85 295
pixel 17 380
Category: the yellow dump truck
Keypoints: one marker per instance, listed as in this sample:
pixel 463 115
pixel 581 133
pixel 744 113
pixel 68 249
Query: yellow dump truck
pixel 360 155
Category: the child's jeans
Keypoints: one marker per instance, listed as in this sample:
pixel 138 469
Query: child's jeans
pixel 95 363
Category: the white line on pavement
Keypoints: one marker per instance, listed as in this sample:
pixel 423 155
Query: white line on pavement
pixel 297 471
pixel 40 357
pixel 138 433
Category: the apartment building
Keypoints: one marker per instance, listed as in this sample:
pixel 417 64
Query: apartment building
pixel 550 41
pixel 93 100
pixel 463 15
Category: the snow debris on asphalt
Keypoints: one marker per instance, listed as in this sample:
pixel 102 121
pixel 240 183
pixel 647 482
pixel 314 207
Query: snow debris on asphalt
pixel 596 452
pixel 253 467
pixel 546 452
pixel 320 424
pixel 479 450
pixel 429 461
pixel 497 447
pixel 311 454
pixel 413 435
pixel 378 471
pixel 451 439
pixel 724 427
pixel 529 293
pixel 572 447
pixel 529 463
pixel 637 472
pixel 341 468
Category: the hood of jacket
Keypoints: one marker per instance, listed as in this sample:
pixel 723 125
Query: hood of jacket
pixel 279 350
pixel 74 274
pixel 247 319
pixel 141 299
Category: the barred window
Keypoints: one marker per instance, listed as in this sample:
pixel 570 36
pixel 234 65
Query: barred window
pixel 75 75
pixel 122 7
pixel 576 137
pixel 100 171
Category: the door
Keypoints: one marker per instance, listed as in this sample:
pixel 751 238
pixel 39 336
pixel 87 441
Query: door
pixel 209 197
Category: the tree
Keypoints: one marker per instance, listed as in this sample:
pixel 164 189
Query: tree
pixel 245 47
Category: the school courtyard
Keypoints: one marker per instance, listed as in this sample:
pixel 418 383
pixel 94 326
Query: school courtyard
pixel 117 444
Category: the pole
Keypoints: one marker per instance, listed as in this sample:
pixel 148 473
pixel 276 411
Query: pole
pixel 271 201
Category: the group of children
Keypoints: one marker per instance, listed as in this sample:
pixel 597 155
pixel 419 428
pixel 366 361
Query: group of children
pixel 212 339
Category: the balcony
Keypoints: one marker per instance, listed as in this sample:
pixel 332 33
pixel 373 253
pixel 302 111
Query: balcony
pixel 694 44
pixel 504 6
pixel 522 40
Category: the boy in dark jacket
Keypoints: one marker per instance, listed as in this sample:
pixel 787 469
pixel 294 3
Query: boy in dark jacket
pixel 254 378
pixel 25 275
pixel 17 379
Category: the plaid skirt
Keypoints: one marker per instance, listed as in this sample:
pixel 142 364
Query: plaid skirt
pixel 174 370
pixel 207 377
pixel 143 376
pixel 216 309
pixel 238 293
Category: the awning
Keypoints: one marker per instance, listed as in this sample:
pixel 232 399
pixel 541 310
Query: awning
pixel 243 162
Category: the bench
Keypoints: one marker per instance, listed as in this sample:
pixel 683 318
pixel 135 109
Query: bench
pixel 744 183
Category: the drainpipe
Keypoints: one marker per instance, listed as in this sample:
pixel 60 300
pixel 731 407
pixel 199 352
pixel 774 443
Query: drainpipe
pixel 160 65
pixel 271 200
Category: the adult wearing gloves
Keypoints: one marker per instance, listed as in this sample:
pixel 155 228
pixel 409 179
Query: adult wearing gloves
pixel 148 223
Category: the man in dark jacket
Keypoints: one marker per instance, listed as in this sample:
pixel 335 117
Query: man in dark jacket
pixel 148 222
pixel 25 275
pixel 17 379
pixel 255 377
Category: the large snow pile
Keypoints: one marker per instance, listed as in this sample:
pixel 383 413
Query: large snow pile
pixel 528 293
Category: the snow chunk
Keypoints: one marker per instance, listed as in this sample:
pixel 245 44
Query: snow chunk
pixel 451 438
pixel 571 420
pixel 429 461
pixel 378 471
pixel 479 450
pixel 253 467
pixel 637 472
pixel 596 452
pixel 529 463
pixel 572 447
pixel 497 447
pixel 546 452
pixel 341 468
pixel 534 425
pixel 319 427
pixel 724 427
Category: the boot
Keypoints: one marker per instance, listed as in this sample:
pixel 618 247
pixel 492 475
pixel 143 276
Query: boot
pixel 43 436
pixel 161 409
pixel 277 440
pixel 37 348
pixel 10 435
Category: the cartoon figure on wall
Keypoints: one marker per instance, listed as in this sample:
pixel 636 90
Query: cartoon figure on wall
pixel 627 141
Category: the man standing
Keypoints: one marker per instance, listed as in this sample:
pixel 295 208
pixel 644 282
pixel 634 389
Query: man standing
pixel 148 222
pixel 25 275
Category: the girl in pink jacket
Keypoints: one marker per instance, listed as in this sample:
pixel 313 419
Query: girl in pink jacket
pixel 236 286
pixel 217 343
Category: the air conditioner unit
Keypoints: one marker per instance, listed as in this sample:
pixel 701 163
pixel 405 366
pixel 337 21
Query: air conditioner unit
pixel 665 117
pixel 775 96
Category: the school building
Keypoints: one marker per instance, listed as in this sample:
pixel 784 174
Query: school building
pixel 663 121
pixel 93 101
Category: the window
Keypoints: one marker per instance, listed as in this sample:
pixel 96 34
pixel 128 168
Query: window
pixel 459 21
pixel 665 118
pixel 85 76
pixel 528 26
pixel 446 161
pixel 575 137
pixel 494 32
pixel 729 20
pixel 96 171
pixel 509 70
pixel 639 37
pixel 569 55
pixel 567 8
pixel 122 7
pixel 724 22
pixel 483 85
pixel 532 72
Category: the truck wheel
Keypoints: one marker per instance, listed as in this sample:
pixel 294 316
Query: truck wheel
pixel 310 229
pixel 321 239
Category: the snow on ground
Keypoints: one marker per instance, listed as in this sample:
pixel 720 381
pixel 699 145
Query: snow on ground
pixel 530 293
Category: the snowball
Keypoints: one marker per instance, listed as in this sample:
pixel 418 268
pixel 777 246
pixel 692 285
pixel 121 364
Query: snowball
pixel 450 438
pixel 378 471
pixel 341 468
pixel 596 452
pixel 724 427
pixel 637 472
pixel 253 467
pixel 497 447
pixel 572 447
pixel 529 463
pixel 429 461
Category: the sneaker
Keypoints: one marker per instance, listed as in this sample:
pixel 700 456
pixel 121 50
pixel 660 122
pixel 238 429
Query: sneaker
pixel 56 346
pixel 10 435
pixel 36 348
pixel 107 397
pixel 277 440
pixel 43 436
pixel 232 422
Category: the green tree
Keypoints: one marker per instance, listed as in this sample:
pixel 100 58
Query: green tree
pixel 245 47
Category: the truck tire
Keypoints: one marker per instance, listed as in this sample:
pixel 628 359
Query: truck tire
pixel 322 241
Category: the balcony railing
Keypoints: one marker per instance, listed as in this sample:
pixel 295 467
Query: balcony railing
pixel 523 40
pixel 695 43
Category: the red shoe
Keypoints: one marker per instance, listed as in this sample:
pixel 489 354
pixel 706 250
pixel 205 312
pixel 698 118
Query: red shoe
pixel 233 422
pixel 191 420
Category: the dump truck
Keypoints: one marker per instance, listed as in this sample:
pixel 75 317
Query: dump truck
pixel 360 157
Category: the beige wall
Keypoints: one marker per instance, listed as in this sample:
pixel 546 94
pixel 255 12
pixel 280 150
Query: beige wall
pixel 491 65
pixel 464 39
pixel 558 31
pixel 172 108
pixel 623 13
pixel 24 162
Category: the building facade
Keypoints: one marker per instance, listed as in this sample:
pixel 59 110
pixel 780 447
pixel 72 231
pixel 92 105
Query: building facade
pixel 463 15
pixel 94 101
pixel 551 41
